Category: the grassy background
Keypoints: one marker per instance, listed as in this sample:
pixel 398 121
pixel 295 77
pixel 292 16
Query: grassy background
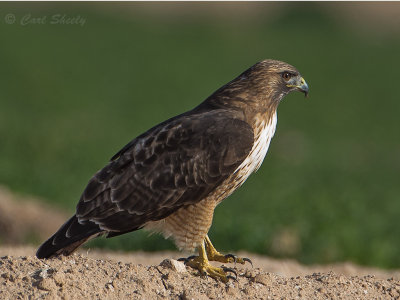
pixel 71 96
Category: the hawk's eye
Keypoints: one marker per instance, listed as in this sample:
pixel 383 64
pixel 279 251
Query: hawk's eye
pixel 286 76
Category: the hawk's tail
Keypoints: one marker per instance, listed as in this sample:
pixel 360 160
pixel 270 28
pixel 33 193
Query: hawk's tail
pixel 69 237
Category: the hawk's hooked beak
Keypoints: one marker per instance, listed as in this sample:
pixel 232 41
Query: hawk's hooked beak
pixel 299 83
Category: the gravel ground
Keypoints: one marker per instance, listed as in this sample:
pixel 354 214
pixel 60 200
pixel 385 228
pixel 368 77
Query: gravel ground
pixel 115 275
pixel 108 275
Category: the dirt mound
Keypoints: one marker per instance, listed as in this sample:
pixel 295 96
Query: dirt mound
pixel 140 275
pixel 87 276
pixel 21 218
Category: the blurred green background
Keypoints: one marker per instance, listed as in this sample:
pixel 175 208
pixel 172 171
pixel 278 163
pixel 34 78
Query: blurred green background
pixel 72 95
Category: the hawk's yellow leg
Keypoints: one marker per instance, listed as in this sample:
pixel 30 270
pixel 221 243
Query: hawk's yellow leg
pixel 214 255
pixel 202 264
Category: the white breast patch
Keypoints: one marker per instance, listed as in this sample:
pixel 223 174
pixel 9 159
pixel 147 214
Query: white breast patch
pixel 262 139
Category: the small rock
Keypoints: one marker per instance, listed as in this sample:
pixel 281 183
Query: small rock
pixel 47 284
pixel 250 273
pixel 263 279
pixel 174 265
pixel 110 287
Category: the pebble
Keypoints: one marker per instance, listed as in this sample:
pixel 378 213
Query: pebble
pixel 174 265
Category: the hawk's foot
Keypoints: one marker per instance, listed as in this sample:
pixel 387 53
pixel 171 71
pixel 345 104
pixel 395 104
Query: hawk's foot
pixel 206 269
pixel 202 264
pixel 214 255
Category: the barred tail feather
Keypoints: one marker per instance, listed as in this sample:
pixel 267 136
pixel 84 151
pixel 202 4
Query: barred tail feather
pixel 69 237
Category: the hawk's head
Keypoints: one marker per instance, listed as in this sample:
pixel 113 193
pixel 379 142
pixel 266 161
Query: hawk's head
pixel 275 79
pixel 261 86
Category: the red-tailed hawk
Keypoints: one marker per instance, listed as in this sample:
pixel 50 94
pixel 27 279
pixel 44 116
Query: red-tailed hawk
pixel 171 178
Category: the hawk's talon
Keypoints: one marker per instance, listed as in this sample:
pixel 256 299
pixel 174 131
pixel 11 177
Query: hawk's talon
pixel 233 278
pixel 186 259
pixel 233 256
pixel 241 260
pixel 248 260
pixel 229 270
pixel 183 259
